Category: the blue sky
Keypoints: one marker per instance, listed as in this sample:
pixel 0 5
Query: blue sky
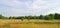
pixel 28 7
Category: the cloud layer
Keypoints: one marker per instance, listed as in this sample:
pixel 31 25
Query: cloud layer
pixel 28 7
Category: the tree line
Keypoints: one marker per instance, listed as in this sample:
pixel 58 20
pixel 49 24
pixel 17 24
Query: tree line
pixel 55 16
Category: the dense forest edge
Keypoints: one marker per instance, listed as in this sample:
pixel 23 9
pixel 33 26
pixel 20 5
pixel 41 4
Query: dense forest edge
pixel 55 16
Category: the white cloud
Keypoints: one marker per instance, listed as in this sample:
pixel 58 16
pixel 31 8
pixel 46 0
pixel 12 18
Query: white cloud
pixel 29 7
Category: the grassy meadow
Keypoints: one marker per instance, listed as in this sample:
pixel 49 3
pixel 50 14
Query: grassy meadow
pixel 14 23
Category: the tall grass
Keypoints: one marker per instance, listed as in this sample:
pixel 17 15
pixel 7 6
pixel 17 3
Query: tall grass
pixel 7 25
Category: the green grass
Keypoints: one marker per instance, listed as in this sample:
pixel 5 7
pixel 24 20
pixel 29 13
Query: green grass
pixel 7 25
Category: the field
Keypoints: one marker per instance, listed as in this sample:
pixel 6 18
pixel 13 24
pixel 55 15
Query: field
pixel 14 23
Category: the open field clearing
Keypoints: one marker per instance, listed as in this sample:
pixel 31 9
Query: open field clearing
pixel 29 24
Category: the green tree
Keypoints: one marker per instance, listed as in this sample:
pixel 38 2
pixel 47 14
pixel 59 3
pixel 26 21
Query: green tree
pixel 10 17
pixel 57 16
pixel 41 17
pixel 1 16
pixel 51 16
pixel 47 18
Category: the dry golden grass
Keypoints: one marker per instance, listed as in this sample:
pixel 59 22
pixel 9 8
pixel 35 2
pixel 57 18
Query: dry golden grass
pixel 15 24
